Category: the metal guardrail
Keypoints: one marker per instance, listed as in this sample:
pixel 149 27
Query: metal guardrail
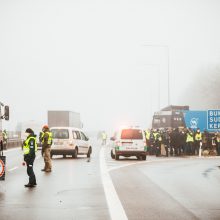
pixel 12 143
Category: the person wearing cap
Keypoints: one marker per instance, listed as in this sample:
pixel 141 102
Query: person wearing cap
pixel 30 149
pixel 46 148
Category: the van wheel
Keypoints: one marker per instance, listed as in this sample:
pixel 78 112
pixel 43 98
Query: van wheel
pixel 64 156
pixel 112 155
pixel 144 157
pixel 89 152
pixel 139 157
pixel 75 153
pixel 116 156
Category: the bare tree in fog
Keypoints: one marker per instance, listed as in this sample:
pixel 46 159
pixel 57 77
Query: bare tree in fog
pixel 204 90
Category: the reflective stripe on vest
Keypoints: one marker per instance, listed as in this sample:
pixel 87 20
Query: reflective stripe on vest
pixel 26 146
pixel 49 141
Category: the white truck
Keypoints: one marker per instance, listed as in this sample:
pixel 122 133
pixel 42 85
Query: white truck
pixel 64 119
pixel 5 116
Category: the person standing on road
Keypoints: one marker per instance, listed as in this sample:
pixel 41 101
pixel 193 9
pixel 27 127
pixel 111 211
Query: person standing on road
pixel 205 140
pixel 166 141
pixel 40 141
pixel 175 141
pixel 147 136
pixel 182 142
pixel 190 142
pixel 29 149
pixel 198 141
pixel 158 140
pixel 46 148
pixel 218 144
pixel 104 138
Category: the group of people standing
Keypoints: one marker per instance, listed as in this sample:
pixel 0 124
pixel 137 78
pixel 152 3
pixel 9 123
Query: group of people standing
pixel 184 141
pixel 30 148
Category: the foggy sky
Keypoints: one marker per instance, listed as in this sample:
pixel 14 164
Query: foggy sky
pixel 103 58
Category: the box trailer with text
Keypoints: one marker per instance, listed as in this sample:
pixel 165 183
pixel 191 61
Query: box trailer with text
pixel 64 119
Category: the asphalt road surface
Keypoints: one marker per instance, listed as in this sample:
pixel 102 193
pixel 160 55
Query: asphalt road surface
pixel 102 188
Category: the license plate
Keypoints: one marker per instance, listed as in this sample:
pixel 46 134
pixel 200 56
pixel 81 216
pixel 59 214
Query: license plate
pixel 131 148
pixel 126 144
pixel 58 143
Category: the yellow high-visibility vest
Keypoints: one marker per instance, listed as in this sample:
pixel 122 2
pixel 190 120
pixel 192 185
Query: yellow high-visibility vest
pixel 50 139
pixel 26 146
pixel 198 136
pixel 147 135
pixel 189 137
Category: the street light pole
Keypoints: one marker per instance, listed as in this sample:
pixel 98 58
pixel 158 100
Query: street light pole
pixel 168 67
pixel 168 75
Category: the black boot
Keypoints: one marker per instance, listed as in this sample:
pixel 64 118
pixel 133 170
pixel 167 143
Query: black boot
pixel 29 185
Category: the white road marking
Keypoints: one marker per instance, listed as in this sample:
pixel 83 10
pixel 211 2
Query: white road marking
pixel 114 204
pixel 12 169
pixel 140 162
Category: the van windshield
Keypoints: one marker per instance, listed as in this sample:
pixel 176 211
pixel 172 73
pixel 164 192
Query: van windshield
pixel 60 133
pixel 131 134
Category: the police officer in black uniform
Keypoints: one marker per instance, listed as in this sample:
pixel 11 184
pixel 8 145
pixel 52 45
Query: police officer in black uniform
pixel 29 149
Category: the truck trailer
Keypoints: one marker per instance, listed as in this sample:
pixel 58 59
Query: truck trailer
pixel 64 119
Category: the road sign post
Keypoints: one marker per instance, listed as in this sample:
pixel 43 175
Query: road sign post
pixel 2 167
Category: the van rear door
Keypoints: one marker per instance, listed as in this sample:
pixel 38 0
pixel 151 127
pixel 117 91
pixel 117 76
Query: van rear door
pixel 61 138
pixel 132 140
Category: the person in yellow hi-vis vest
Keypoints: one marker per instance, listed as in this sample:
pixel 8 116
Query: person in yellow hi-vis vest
pixel 198 141
pixel 189 142
pixel 30 149
pixel 147 135
pixel 104 138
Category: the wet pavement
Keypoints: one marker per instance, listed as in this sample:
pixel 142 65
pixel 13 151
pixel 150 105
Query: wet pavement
pixel 175 189
pixel 72 191
pixel 158 188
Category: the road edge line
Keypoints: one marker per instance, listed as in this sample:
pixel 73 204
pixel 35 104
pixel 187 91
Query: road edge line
pixel 12 169
pixel 114 204
pixel 141 162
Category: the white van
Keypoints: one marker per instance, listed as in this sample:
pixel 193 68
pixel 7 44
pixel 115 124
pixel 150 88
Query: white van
pixel 129 142
pixel 70 141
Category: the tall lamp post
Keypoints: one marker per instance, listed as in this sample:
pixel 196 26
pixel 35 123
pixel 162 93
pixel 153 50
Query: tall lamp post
pixel 168 65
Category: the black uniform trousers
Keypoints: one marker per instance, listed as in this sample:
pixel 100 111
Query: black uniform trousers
pixel 30 163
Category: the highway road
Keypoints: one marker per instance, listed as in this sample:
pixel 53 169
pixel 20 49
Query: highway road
pixel 102 188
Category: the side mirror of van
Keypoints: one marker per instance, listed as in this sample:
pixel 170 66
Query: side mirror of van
pixel 6 114
pixel 87 138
